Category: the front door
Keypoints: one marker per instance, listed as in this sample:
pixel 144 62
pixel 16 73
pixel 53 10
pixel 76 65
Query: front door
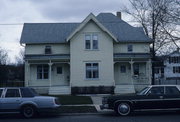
pixel 60 75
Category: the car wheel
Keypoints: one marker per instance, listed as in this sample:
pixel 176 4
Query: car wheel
pixel 28 111
pixel 123 109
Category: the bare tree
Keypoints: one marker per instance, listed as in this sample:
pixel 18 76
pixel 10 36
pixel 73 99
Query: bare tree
pixel 160 20
pixel 3 56
pixel 20 57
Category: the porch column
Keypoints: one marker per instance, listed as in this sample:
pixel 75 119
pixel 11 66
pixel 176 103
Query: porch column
pixel 50 73
pixel 27 74
pixel 150 71
pixel 132 71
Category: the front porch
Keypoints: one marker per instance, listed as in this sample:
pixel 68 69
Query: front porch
pixel 132 72
pixel 48 76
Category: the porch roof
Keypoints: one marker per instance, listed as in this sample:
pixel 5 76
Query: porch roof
pixel 132 55
pixel 45 57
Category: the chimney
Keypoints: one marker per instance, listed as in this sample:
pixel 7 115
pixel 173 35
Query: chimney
pixel 118 14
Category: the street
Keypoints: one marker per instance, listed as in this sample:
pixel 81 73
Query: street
pixel 108 117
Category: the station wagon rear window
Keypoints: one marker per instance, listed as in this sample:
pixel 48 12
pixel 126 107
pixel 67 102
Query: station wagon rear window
pixel 12 93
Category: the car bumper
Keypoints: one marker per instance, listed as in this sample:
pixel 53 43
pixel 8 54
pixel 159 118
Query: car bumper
pixel 104 106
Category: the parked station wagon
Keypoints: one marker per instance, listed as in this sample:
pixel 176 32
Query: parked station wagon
pixel 26 101
pixel 157 97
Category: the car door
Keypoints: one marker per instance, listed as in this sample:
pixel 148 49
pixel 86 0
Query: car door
pixel 152 100
pixel 172 97
pixel 11 99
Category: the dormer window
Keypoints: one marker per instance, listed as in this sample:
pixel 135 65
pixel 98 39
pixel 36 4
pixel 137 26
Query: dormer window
pixel 48 50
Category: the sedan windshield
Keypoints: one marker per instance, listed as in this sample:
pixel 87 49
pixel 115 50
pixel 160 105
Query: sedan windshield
pixel 143 91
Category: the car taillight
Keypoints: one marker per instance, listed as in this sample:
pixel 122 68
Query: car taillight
pixel 56 101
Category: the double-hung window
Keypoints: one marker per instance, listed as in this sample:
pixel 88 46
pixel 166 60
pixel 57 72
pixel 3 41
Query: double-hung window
pixel 91 41
pixel 42 72
pixel 92 70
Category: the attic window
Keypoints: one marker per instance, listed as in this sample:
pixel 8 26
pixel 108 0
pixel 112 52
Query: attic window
pixel 48 50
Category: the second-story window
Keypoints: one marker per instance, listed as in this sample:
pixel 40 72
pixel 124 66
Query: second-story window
pixel 91 41
pixel 87 41
pixel 130 48
pixel 48 50
pixel 95 41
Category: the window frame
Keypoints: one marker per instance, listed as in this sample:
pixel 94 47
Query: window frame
pixel 129 48
pixel 42 72
pixel 61 71
pixel 92 69
pixel 93 41
pixel 48 49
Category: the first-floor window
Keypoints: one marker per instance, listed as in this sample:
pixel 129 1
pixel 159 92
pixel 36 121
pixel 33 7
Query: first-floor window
pixel 123 69
pixel 92 70
pixel 176 69
pixel 42 71
pixel 136 69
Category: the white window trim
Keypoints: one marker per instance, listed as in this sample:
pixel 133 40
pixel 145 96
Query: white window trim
pixel 91 41
pixel 42 73
pixel 92 79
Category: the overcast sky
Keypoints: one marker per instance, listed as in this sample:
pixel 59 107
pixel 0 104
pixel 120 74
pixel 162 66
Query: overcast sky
pixel 13 13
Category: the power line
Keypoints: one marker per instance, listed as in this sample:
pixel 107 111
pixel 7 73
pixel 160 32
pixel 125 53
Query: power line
pixel 11 23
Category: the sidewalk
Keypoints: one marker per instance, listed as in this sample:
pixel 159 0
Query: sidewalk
pixel 97 101
pixel 93 108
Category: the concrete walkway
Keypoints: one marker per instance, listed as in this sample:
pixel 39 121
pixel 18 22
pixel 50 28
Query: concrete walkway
pixel 97 101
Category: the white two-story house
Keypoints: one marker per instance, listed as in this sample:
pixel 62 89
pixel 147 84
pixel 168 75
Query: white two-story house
pixel 102 54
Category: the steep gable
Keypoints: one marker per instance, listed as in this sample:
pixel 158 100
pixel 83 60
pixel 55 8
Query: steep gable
pixel 91 17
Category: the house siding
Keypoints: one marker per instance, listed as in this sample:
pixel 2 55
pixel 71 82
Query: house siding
pixel 137 47
pixel 39 48
pixel 80 56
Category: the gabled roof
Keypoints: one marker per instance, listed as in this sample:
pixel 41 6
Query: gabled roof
pixel 122 30
pixel 119 30
pixel 86 20
pixel 47 32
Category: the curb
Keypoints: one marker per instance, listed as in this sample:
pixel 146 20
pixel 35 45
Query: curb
pixel 81 114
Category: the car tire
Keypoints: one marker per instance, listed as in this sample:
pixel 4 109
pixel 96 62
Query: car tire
pixel 123 109
pixel 28 111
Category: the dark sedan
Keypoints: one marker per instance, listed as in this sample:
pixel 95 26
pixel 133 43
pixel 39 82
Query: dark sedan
pixel 157 97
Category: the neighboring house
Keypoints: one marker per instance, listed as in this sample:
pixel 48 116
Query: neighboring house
pixel 168 72
pixel 102 54
pixel 159 70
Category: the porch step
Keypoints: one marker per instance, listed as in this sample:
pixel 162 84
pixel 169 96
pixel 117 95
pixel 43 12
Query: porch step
pixel 58 90
pixel 124 89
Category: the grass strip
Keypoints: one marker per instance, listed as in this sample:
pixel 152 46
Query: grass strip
pixel 77 109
